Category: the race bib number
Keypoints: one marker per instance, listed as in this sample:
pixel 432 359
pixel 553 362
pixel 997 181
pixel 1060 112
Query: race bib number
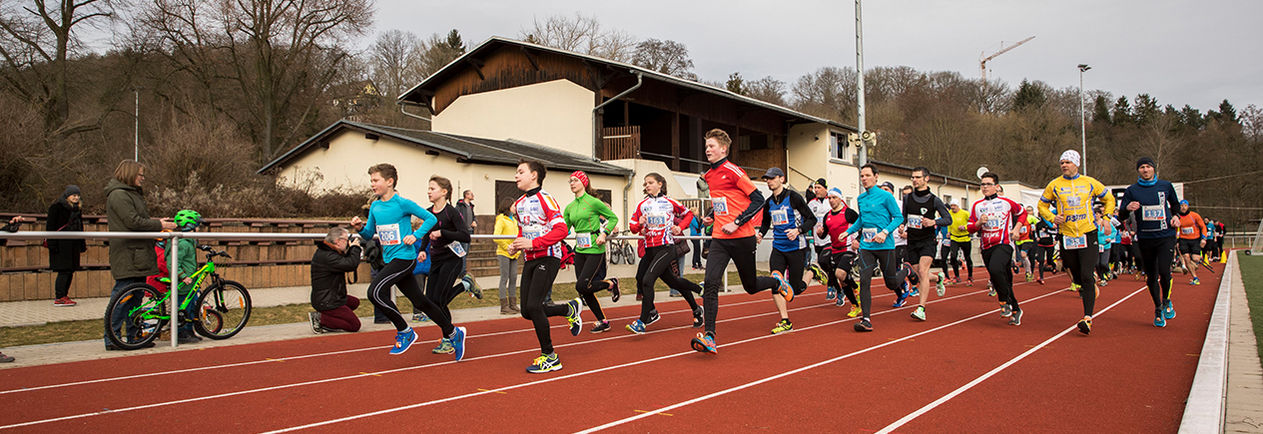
pixel 656 221
pixel 1072 243
pixel 780 217
pixel 868 234
pixel 1188 230
pixel 1074 201
pixel 389 235
pixel 1101 249
pixel 914 222
pixel 993 224
pixel 583 240
pixel 533 233
pixel 720 205
pixel 1152 213
pixel 457 248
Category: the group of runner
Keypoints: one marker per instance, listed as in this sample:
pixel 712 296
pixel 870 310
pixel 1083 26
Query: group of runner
pixel 896 237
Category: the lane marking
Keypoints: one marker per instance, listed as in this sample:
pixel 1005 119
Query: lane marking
pixel 908 418
pixel 492 391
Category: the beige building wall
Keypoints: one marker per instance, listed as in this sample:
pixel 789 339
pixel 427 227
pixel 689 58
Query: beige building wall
pixel 845 177
pixel 557 114
pixel 344 165
pixel 808 154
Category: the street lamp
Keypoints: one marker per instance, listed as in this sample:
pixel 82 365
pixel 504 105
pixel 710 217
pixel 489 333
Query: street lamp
pixel 859 68
pixel 1083 129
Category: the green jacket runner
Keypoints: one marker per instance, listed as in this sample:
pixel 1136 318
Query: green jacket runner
pixel 583 215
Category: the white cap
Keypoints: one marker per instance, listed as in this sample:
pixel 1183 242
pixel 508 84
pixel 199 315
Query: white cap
pixel 1070 155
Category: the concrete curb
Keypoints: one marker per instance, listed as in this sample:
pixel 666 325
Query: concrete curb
pixel 1204 411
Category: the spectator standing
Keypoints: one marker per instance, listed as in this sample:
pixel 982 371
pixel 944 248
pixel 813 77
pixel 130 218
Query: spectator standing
pixel 65 215
pixel 131 259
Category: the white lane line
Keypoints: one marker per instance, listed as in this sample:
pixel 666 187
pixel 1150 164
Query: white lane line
pixel 378 373
pixel 991 373
pixel 608 368
pixel 304 356
pixel 795 371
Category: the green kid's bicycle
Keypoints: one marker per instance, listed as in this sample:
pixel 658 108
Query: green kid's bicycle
pixel 140 312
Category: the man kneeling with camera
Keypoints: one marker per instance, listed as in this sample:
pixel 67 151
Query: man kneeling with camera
pixel 335 256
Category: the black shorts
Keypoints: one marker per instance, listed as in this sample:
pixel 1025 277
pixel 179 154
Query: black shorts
pixel 843 260
pixel 918 249
pixel 1026 247
pixel 1190 247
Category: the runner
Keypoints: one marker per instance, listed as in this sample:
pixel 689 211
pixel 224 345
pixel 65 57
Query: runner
pixel 960 243
pixel 1192 239
pixel 1211 249
pixel 584 216
pixel 879 216
pixel 923 214
pixel 390 219
pixel 820 207
pixel 901 243
pixel 787 214
pixel 1154 203
pixel 1045 247
pixel 542 228
pixel 659 219
pixel 995 217
pixel 734 203
pixel 1105 245
pixel 842 257
pixel 1073 194
pixel 446 242
pixel 1025 242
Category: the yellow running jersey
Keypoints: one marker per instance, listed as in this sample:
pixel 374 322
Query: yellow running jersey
pixel 1073 199
pixel 959 218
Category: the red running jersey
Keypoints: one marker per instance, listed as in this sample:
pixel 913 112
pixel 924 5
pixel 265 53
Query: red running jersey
pixel 994 218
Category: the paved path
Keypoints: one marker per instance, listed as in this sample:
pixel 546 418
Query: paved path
pixel 1245 375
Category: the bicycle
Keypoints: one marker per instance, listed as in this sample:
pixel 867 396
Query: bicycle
pixel 223 308
pixel 620 250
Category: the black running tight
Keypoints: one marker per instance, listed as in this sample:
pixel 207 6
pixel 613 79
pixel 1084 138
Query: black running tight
pixel 398 272
pixel 537 279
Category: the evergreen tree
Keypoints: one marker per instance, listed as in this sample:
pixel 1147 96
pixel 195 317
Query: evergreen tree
pixel 1146 109
pixel 454 43
pixel 736 84
pixel 1122 111
pixel 1192 118
pixel 1101 110
pixel 1029 96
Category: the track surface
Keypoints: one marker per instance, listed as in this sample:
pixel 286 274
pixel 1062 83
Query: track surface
pixel 963 370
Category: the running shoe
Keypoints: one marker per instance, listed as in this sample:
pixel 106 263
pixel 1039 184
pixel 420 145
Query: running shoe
pixel 636 327
pixel 990 290
pixel 1016 320
pixel 653 317
pixel 615 293
pixel 855 311
pixel 919 313
pixel 840 300
pixel 1006 310
pixel 575 316
pixel 1074 287
pixel 705 343
pixel 64 302
pixel 698 318
pixel 1041 281
pixel 420 317
pixel 600 327
pixel 864 326
pixel 444 347
pixel 1168 309
pixel 782 326
pixel 1158 319
pixel 783 288
pixel 900 299
pixel 403 341
pixel 458 342
pixel 314 317
pixel 471 286
pixel 1103 282
pixel 818 274
pixel 914 292
pixel 1195 281
pixel 545 363
pixel 939 288
pixel 830 293
pixel 1030 277
pixel 1085 325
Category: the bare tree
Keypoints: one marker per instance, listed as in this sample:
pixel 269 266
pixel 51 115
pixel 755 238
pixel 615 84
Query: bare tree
pixel 395 61
pixel 766 89
pixel 829 92
pixel 36 39
pixel 437 51
pixel 580 34
pixel 665 56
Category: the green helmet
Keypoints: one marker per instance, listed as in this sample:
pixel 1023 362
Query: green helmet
pixel 187 220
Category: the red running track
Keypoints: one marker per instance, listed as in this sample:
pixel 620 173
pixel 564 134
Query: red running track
pixel 963 370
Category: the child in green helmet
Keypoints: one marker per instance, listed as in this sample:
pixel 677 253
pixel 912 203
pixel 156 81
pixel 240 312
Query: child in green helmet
pixel 186 221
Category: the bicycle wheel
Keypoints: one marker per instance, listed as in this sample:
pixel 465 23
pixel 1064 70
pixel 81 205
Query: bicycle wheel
pixel 629 255
pixel 138 317
pixel 616 254
pixel 224 308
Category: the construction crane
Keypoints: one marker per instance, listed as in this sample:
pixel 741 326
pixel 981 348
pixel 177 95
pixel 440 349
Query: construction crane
pixel 983 64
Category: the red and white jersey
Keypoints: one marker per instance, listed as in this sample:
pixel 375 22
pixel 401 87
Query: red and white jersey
pixel 994 219
pixel 539 219
pixel 835 226
pixel 660 214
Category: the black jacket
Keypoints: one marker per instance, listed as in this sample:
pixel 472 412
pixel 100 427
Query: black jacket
pixel 63 255
pixel 328 275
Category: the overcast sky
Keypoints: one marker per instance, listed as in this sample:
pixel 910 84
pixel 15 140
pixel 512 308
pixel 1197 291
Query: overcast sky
pixel 1180 52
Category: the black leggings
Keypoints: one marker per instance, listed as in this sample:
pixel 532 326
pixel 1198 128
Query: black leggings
pixel 739 251
pixel 537 279
pixel 1080 263
pixel 966 247
pixel 1041 256
pixel 589 271
pixel 791 264
pixel 1156 256
pixel 440 286
pixel 869 261
pixel 843 262
pixel 665 265
pixel 997 260
pixel 62 284
pixel 398 272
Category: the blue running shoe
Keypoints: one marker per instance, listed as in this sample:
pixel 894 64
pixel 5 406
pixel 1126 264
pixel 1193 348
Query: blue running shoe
pixel 545 363
pixel 636 327
pixel 444 347
pixel 705 343
pixel 1168 310
pixel 420 317
pixel 403 341
pixel 1159 320
pixel 914 292
pixel 575 316
pixel 903 296
pixel 840 301
pixel 458 343
pixel 830 293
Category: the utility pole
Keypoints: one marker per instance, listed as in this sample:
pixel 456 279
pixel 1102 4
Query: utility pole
pixel 136 90
pixel 1083 129
pixel 859 68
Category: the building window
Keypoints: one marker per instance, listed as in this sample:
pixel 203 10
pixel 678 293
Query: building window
pixel 838 146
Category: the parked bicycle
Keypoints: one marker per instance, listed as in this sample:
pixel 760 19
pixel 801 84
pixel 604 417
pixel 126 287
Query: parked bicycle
pixel 219 311
pixel 620 250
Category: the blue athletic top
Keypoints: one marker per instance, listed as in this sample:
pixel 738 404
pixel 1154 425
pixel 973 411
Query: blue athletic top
pixel 782 216
pixel 391 221
pixel 878 212
pixel 1158 203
